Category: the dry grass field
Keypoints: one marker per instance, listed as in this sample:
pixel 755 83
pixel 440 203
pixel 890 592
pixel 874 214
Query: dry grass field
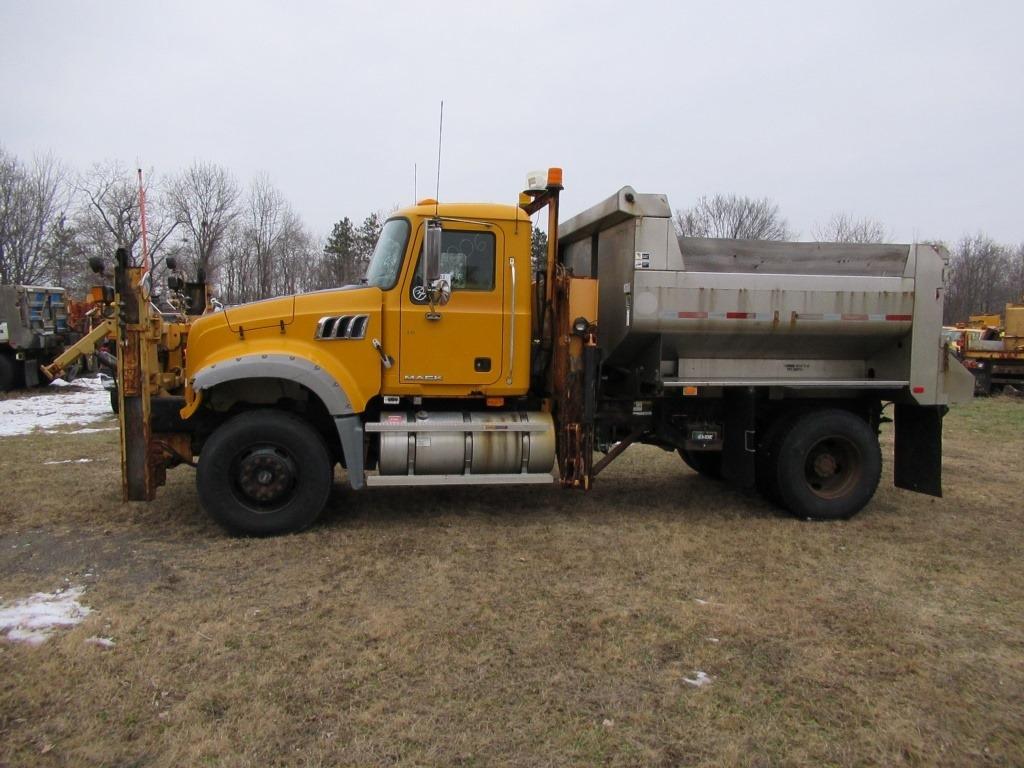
pixel 523 627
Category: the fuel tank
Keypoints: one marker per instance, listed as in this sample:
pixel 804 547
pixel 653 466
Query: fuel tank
pixel 466 443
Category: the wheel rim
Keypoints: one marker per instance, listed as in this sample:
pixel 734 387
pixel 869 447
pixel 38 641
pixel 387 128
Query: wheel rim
pixel 833 467
pixel 264 477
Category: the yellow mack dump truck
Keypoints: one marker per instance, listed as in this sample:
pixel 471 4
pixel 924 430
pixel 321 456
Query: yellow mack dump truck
pixel 454 362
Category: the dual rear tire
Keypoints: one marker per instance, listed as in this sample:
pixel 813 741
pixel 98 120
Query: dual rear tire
pixel 823 464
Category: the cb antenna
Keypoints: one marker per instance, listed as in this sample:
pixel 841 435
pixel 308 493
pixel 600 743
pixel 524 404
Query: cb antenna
pixel 440 132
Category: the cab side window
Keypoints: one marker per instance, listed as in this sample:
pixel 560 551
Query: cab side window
pixel 467 256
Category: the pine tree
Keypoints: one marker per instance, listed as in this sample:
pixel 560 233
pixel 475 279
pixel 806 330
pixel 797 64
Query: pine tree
pixel 340 255
pixel 539 250
pixel 366 238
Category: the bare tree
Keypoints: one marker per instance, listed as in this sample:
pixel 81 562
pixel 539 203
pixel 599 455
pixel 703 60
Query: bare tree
pixel 979 280
pixel 296 259
pixel 268 251
pixel 735 217
pixel 843 228
pixel 204 200
pixel 11 182
pixel 32 202
pixel 1016 274
pixel 236 270
pixel 268 217
pixel 67 266
pixel 108 215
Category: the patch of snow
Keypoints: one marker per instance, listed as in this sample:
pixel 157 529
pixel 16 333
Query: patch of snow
pixel 699 679
pixel 712 639
pixel 698 601
pixel 33 619
pixel 69 461
pixel 88 430
pixel 103 642
pixel 97 383
pixel 80 402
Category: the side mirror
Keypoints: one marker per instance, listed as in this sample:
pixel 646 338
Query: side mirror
pixel 432 252
pixel 441 290
pixel 172 263
pixel 439 287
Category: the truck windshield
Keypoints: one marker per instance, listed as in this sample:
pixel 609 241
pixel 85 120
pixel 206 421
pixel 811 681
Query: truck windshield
pixel 386 261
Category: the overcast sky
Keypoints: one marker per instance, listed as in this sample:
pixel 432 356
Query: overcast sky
pixel 908 112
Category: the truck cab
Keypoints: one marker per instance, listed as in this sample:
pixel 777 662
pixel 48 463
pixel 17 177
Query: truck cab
pixel 384 337
pixel 467 347
pixel 399 341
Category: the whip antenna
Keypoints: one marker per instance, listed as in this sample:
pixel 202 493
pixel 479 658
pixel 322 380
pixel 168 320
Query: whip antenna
pixel 440 131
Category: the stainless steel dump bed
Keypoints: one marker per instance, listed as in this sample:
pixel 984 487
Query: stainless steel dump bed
pixel 749 313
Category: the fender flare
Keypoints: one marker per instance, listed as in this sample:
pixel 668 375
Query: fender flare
pixel 269 366
pixel 307 374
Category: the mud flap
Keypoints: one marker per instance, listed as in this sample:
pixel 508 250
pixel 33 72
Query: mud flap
pixel 739 452
pixel 918 452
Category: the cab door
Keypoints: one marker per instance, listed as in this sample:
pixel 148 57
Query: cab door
pixel 460 343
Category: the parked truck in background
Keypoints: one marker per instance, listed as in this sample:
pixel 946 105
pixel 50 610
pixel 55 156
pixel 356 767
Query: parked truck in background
pixel 34 328
pixel 765 365
pixel 995 352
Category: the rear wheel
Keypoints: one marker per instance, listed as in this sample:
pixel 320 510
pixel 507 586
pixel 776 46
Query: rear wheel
pixel 982 382
pixel 828 465
pixel 265 472
pixel 707 463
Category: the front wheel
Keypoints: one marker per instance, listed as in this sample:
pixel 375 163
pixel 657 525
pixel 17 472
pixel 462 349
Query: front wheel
pixel 264 472
pixel 828 465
